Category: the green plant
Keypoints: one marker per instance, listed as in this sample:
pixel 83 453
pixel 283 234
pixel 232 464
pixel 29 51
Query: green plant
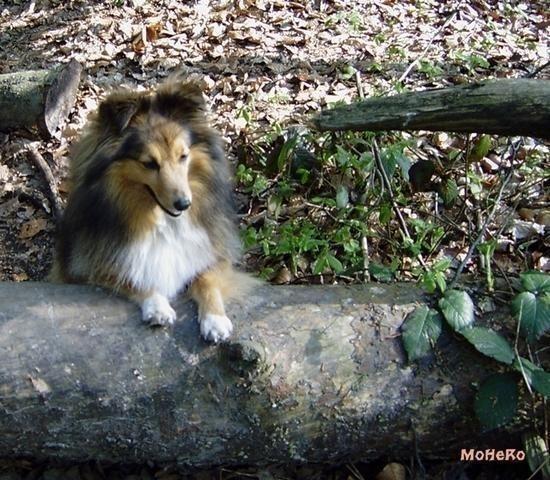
pixel 487 250
pixel 434 276
pixel 427 236
pixel 352 19
pixel 471 61
pixel 497 397
pixel 430 69
pixel 254 182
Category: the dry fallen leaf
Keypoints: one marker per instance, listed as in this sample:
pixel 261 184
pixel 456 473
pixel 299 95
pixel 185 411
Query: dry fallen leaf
pixel 148 33
pixel 64 186
pixel 392 471
pixel 32 227
pixel 153 31
pixel 19 277
pixel 40 385
pixel 139 42
pixel 4 172
pixel 543 218
pixel 526 214
pixel 282 276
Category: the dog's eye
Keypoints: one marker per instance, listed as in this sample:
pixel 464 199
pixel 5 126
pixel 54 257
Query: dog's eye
pixel 151 165
pixel 184 157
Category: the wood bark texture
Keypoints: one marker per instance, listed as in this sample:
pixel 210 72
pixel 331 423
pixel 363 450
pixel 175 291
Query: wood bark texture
pixel 502 107
pixel 312 374
pixel 38 98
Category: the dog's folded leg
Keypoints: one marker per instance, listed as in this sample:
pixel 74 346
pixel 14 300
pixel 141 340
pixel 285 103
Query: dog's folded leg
pixel 155 309
pixel 207 290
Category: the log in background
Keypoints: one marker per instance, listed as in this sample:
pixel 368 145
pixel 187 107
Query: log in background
pixel 503 107
pixel 314 374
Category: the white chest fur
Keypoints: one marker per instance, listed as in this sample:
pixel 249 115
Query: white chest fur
pixel 168 258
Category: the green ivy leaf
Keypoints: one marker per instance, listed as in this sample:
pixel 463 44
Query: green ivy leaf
pixel 448 190
pixel 320 264
pixel 428 281
pixel 541 382
pixel 334 263
pixel 421 330
pixel 385 213
pixel 342 197
pixel 381 272
pixel 524 366
pixel 490 343
pixel 389 163
pixel 284 153
pixel 538 456
pixel 458 309
pixel 441 281
pixel 404 163
pixel 274 205
pixel 536 376
pixel 496 401
pixel 481 148
pixel 533 312
pixel 535 282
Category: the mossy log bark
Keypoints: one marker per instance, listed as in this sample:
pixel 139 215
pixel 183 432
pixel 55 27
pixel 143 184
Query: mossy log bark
pixel 38 98
pixel 312 374
pixel 502 107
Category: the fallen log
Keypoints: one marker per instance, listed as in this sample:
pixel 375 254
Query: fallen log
pixel 312 374
pixel 38 98
pixel 501 107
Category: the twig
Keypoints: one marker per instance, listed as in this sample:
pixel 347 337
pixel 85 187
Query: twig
pixel 354 471
pixel 30 8
pixel 427 47
pixel 516 350
pixel 489 218
pixel 360 91
pixel 539 468
pixel 466 177
pixel 395 207
pixel 43 166
pixel 365 250
pixel 535 72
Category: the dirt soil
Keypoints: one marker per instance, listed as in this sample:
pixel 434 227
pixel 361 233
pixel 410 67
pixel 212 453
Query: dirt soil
pixel 275 62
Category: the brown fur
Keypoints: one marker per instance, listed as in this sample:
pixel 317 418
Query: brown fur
pixel 142 158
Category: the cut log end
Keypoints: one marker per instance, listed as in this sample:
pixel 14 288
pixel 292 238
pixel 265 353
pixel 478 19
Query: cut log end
pixel 60 98
pixel 38 98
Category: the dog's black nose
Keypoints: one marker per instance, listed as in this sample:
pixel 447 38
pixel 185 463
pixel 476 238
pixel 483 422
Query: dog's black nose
pixel 182 203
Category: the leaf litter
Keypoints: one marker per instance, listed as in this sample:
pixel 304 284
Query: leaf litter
pixel 269 64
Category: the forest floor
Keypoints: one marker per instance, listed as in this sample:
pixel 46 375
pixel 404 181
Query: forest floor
pixel 268 66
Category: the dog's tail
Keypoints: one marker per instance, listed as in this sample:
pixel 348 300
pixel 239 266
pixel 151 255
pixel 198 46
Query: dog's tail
pixel 236 284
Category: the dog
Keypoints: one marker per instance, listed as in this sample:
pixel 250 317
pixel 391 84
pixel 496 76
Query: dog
pixel 151 211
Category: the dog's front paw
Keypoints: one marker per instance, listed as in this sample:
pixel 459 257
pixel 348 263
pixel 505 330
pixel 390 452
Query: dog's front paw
pixel 157 311
pixel 216 328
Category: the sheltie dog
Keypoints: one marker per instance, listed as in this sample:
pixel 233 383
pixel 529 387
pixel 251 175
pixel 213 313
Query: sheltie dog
pixel 151 209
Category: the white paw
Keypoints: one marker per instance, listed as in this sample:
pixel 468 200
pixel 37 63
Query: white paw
pixel 216 328
pixel 157 311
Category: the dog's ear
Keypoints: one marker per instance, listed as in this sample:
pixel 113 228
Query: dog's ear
pixel 119 108
pixel 180 99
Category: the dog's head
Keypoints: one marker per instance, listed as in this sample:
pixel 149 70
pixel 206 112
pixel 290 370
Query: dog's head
pixel 151 134
pixel 179 100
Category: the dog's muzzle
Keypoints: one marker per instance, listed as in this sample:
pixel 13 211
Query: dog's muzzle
pixel 182 203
